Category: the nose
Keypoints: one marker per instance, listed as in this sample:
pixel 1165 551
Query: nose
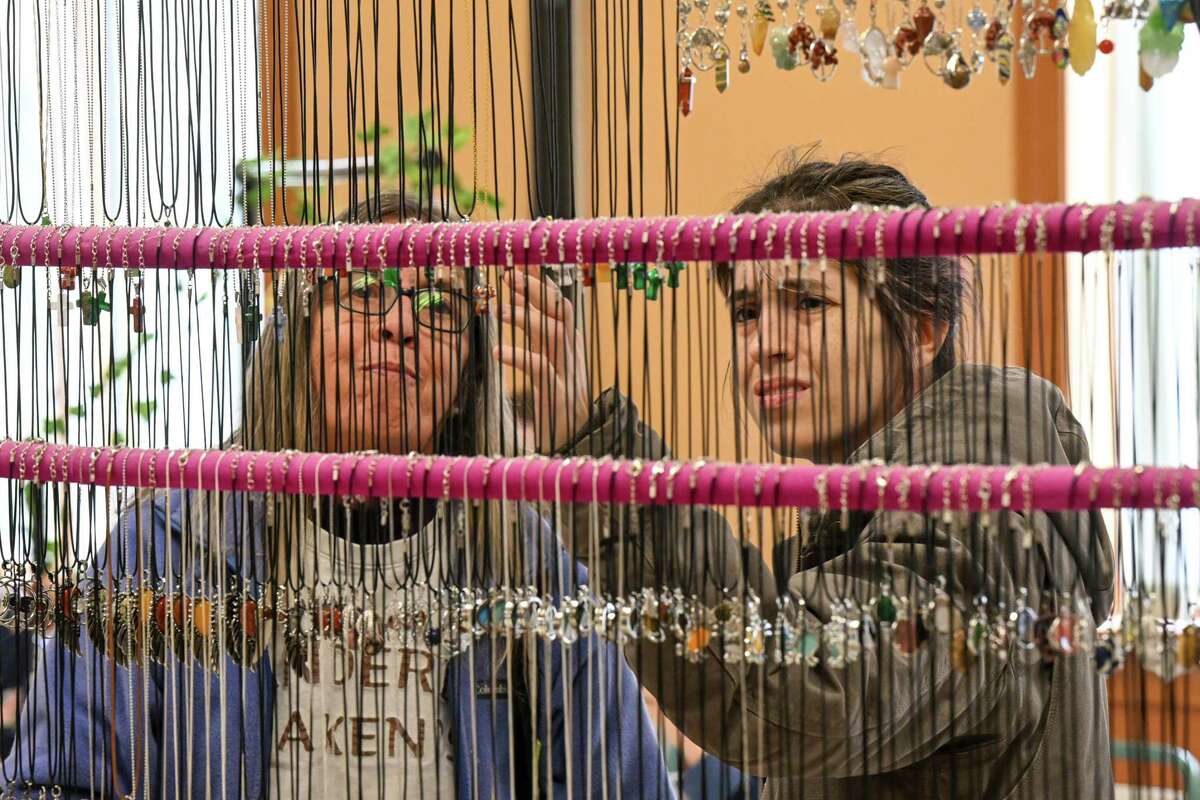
pixel 399 323
pixel 775 338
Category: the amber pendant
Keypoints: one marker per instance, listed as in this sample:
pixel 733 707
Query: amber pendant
pixel 758 28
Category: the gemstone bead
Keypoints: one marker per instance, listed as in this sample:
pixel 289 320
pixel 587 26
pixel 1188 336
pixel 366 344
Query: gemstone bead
pixel 885 609
pixel 905 636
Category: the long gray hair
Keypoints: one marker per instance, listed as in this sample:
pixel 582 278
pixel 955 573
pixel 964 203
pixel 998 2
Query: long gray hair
pixel 281 412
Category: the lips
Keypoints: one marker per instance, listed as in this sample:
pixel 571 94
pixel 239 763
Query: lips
pixel 391 368
pixel 779 392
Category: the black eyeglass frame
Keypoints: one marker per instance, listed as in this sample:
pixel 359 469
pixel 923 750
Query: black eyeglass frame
pixel 411 294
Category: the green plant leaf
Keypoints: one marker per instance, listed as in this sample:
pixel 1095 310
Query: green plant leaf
pixel 460 138
pixel 145 408
pixel 117 439
pixel 369 134
pixel 77 411
pixel 115 370
pixel 96 390
pixel 165 377
pixel 54 426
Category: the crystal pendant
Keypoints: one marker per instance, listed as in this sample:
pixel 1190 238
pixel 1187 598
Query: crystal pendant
pixel 756 645
pixel 961 656
pixel 759 23
pixel 833 637
pixel 1170 10
pixel 1004 65
pixel 12 276
pixel 1158 44
pixel 1061 24
pixel 977 634
pixel 1187 649
pixel 697 642
pixel 923 21
pixel 1157 64
pixel 874 50
pixel 941 614
pixel 782 50
pixel 686 93
pixel 847 40
pixel 830 19
pixel 885 609
pixel 1060 635
pixel 976 19
pixel 721 73
pixel 1082 37
pixel 1027 57
pixel 743 61
pixel 906 636
pixel 1024 627
pixel 957 73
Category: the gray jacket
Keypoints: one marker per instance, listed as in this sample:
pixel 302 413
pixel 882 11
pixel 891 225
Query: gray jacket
pixel 887 725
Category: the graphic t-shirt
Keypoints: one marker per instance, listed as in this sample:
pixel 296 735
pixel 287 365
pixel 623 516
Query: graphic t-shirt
pixel 367 717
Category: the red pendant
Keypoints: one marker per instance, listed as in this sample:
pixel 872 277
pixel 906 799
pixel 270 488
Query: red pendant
pixel 687 91
pixel 138 313
pixel 160 614
pixel 905 636
pixel 250 618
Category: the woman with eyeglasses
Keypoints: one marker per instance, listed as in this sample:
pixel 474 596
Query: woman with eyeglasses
pixel 394 361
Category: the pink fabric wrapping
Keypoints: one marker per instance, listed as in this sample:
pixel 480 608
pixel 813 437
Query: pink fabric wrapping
pixel 574 480
pixel 851 235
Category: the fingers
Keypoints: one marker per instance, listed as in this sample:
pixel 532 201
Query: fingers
pixel 559 412
pixel 530 287
pixel 534 329
pixel 535 365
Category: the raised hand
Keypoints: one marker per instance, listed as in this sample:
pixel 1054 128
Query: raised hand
pixel 548 347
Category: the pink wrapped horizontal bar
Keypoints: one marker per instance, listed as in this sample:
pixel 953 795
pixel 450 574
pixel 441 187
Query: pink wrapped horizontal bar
pixel 956 487
pixel 855 234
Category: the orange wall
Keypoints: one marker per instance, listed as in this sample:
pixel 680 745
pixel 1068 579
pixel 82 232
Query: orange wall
pixel 961 147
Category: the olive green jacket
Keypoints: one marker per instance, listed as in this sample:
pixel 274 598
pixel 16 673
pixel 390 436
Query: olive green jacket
pixel 888 725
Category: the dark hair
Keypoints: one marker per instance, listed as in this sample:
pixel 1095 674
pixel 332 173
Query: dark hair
pixel 931 287
pixel 457 435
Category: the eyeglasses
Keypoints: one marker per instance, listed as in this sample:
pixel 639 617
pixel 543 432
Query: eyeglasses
pixel 376 293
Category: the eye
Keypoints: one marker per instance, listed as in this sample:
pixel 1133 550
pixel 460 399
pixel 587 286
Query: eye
pixel 745 314
pixel 808 302
pixel 433 300
pixel 364 286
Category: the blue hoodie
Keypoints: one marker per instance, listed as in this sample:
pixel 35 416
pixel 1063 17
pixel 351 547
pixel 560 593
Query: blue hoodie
pixel 200 736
